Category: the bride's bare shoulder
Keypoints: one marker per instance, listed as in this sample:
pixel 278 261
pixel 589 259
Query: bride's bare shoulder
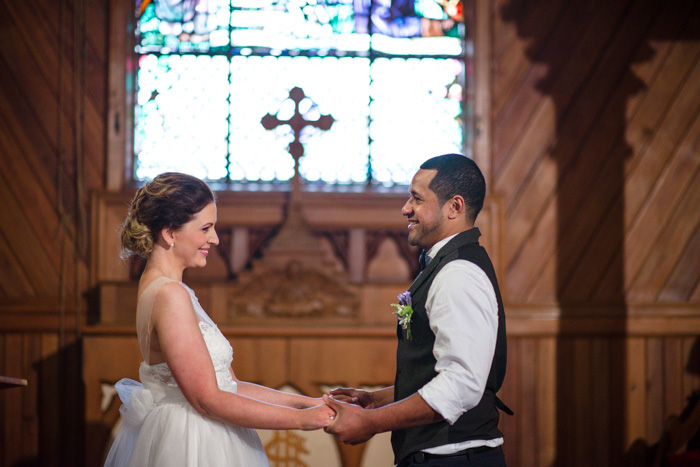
pixel 160 287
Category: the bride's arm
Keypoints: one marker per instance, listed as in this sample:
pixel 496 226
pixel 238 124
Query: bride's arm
pixel 274 396
pixel 185 351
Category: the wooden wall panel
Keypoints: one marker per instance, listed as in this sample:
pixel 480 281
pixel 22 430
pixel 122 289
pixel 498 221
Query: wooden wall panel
pixel 53 94
pixel 594 124
pixel 33 415
pixel 52 153
pixel 606 85
pixel 656 384
pixel 587 433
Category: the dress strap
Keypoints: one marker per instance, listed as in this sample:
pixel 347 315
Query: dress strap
pixel 144 307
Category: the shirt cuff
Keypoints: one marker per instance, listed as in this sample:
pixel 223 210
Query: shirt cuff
pixel 441 400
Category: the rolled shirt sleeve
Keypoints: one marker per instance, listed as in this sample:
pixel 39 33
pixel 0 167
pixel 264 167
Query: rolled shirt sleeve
pixel 463 314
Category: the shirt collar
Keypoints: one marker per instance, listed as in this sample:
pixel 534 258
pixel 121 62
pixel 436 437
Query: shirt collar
pixel 437 247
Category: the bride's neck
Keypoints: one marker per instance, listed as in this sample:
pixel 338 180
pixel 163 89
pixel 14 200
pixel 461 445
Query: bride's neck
pixel 161 264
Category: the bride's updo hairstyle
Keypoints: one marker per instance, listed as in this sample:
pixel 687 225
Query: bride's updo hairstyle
pixel 170 201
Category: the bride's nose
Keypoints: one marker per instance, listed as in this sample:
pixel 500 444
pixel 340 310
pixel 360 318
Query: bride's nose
pixel 214 239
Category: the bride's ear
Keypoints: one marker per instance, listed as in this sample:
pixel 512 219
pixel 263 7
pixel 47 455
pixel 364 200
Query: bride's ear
pixel 167 235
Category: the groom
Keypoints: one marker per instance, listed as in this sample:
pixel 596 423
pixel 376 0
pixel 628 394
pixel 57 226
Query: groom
pixel 451 355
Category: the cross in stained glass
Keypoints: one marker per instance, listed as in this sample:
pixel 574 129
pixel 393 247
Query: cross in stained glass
pixel 297 122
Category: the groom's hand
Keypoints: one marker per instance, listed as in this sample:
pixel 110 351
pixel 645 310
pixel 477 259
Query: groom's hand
pixel 354 396
pixel 350 425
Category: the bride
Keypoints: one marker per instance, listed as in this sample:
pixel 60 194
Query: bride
pixel 189 409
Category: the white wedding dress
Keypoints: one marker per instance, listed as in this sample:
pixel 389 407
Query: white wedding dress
pixel 159 426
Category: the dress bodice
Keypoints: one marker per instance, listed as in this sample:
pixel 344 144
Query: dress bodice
pixel 218 346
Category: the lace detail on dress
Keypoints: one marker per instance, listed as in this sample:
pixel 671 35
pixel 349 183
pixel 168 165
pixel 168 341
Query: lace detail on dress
pixel 161 373
pixel 221 356
pixel 220 351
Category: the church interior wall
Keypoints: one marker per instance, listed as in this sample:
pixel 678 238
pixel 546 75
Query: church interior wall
pixel 588 130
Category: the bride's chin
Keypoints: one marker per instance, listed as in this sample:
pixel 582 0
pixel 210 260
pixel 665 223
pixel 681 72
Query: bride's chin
pixel 198 263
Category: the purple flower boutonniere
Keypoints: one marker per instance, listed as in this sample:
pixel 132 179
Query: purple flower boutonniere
pixel 404 311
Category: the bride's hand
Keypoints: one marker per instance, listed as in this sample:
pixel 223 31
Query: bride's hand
pixel 316 417
pixel 313 402
pixel 307 402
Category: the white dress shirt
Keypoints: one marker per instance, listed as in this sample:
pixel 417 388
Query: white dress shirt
pixel 463 313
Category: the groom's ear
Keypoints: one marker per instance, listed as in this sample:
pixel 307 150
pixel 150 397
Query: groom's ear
pixel 456 207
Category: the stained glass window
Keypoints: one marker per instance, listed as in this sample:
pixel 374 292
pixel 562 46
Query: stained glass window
pixel 393 75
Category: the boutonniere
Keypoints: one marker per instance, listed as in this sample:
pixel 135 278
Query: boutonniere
pixel 404 311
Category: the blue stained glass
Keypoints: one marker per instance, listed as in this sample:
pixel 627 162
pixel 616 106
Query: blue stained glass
pixel 346 26
pixel 183 26
pixel 391 73
pixel 204 26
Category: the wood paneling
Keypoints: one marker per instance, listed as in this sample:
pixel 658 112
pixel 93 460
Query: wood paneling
pixel 597 132
pixel 52 398
pixel 616 389
pixel 591 125
pixel 52 153
pixel 46 175
pixel 595 116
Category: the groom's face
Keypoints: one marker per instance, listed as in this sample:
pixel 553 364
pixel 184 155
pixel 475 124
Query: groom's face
pixel 423 211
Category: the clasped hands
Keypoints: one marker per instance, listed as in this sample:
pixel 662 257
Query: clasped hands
pixel 350 423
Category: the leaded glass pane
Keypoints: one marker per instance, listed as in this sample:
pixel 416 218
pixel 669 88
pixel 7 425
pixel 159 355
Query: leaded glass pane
pixel 181 120
pixel 338 155
pixel 391 73
pixel 415 117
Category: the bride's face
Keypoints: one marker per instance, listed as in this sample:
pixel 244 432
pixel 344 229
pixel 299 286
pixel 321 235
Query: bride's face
pixel 194 240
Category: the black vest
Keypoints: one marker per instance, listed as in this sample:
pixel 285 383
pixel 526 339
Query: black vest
pixel 415 364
